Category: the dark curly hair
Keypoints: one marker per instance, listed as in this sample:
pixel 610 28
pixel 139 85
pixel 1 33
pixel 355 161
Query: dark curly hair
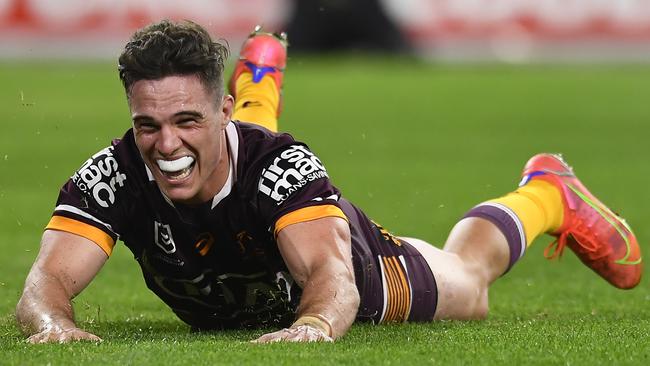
pixel 169 48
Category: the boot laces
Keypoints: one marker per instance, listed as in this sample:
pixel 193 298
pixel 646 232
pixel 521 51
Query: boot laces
pixel 587 243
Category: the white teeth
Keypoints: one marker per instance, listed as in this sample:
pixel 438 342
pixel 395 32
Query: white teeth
pixel 170 166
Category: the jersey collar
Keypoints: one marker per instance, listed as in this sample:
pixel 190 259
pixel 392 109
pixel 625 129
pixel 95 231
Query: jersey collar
pixel 233 148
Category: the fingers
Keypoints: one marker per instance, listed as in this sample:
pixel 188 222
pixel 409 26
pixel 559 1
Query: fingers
pixel 301 333
pixel 62 336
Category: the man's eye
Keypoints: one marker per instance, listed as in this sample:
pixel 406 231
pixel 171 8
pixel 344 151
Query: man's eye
pixel 186 121
pixel 148 127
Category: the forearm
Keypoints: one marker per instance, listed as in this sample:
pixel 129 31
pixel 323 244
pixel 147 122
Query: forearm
pixel 318 254
pixel 44 305
pixel 334 297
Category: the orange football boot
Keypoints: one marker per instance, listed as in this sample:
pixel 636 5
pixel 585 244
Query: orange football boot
pixel 600 238
pixel 262 54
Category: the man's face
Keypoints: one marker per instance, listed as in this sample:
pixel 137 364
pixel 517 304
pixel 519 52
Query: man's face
pixel 179 130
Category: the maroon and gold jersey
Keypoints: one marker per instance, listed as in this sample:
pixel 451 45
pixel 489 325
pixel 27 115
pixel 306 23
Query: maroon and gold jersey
pixel 217 265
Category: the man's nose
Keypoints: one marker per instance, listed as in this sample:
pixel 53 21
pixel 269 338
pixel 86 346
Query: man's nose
pixel 169 141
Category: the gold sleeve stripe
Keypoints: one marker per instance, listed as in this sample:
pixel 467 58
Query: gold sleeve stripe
pixel 82 229
pixel 399 293
pixel 308 214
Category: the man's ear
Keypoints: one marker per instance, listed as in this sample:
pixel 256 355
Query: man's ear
pixel 227 108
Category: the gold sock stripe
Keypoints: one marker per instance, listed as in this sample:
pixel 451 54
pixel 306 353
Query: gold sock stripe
pixel 398 301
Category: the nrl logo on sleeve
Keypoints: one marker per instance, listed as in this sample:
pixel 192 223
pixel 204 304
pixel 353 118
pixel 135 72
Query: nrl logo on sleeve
pixel 99 177
pixel 162 234
pixel 289 172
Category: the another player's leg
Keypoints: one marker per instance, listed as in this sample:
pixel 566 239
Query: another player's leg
pixel 495 234
pixel 256 82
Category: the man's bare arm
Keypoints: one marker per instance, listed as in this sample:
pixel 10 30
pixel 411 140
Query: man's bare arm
pixel 318 255
pixel 65 265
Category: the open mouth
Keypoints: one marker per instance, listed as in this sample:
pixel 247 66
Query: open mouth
pixel 176 169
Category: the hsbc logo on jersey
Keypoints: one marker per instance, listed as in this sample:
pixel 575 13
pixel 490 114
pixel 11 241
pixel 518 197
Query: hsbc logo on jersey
pixel 99 177
pixel 162 234
pixel 289 172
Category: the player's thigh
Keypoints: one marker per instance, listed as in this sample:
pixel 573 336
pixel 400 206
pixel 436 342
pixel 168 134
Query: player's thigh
pixel 461 295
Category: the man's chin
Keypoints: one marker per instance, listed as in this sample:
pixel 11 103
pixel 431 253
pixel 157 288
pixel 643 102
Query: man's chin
pixel 183 195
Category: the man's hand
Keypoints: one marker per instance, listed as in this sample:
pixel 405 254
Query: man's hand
pixel 58 335
pixel 300 333
pixel 66 263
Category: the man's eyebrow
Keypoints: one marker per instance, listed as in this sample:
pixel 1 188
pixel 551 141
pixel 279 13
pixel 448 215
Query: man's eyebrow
pixel 145 118
pixel 189 113
pixel 142 118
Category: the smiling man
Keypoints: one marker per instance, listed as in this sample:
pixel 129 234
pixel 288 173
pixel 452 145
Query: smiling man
pixel 237 226
pixel 178 129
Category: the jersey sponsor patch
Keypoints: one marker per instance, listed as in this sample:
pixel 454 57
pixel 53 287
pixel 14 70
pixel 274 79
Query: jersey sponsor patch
pixel 100 178
pixel 290 171
pixel 163 237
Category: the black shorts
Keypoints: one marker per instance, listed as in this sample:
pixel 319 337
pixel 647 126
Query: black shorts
pixel 394 280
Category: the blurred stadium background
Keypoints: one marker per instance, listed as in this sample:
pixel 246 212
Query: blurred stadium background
pixel 419 108
pixel 454 30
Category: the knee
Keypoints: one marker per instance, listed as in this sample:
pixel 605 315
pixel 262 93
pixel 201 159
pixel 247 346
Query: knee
pixel 476 306
pixel 475 294
pixel 475 290
pixel 480 312
pixel 464 298
pixel 481 308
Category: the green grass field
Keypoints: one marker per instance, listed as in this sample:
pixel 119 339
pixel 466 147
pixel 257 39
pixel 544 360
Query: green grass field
pixel 416 145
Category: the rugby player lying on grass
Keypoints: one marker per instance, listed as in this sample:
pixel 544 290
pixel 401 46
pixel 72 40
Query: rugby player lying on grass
pixel 236 226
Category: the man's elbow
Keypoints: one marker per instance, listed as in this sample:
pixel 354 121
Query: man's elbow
pixel 352 297
pixel 356 299
pixel 22 313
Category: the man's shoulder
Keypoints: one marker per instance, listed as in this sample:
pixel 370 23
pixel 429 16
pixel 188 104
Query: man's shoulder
pixel 278 167
pixel 257 145
pixel 122 148
pixel 111 171
pixel 258 140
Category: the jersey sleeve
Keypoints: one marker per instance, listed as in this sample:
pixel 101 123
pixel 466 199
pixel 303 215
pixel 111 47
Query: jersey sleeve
pixel 294 187
pixel 89 202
